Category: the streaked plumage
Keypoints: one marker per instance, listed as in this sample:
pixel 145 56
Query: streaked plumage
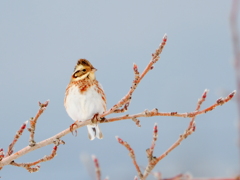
pixel 84 96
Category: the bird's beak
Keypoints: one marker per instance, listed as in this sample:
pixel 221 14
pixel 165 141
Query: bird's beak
pixel 94 70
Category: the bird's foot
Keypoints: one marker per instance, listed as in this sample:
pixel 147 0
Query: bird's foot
pixel 95 118
pixel 71 128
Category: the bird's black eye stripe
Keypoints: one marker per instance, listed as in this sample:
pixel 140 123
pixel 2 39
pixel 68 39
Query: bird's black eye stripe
pixel 74 75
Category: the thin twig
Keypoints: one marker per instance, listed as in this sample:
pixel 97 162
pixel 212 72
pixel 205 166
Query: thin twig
pixel 155 112
pixel 7 160
pixel 131 154
pixel 190 129
pixel 28 166
pixel 151 149
pixel 127 98
pixel 97 167
pixel 152 161
pixel 200 101
pixel 33 122
pixel 123 102
pixel 16 137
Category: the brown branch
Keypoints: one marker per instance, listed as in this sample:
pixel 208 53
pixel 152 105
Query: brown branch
pixel 124 102
pixel 127 98
pixel 33 122
pixel 28 166
pixel 191 128
pixel 29 169
pixel 7 160
pixel 155 112
pixel 97 167
pixel 15 139
pixel 152 161
pixel 200 101
pixel 131 154
pixel 151 149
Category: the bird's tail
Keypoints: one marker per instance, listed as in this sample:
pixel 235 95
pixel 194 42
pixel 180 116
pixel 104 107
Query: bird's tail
pixel 94 131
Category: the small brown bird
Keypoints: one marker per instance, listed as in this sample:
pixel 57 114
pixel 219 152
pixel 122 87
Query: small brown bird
pixel 84 97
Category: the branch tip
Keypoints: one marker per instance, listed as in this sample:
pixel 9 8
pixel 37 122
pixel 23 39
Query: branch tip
pixel 135 67
pixel 232 94
pixel 165 37
pixel 119 139
pixel 155 128
pixel 205 93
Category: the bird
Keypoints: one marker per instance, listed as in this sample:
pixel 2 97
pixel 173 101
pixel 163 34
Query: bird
pixel 85 97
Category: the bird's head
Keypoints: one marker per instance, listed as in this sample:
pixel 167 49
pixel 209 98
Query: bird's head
pixel 84 69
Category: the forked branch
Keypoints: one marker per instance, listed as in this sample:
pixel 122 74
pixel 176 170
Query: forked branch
pixel 33 122
pixel 121 106
pixel 152 160
pixel 35 164
pixel 125 101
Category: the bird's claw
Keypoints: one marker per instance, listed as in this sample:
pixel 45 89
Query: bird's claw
pixel 71 128
pixel 95 118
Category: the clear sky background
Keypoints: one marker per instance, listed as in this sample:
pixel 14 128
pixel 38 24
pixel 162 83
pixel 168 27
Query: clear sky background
pixel 40 42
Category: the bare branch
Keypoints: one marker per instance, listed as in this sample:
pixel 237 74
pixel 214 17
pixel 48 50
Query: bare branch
pixel 131 154
pixel 200 101
pixel 152 161
pixel 191 128
pixel 33 122
pixel 7 160
pixel 28 166
pixel 125 101
pixel 15 139
pixel 155 112
pixel 127 98
pixel 151 149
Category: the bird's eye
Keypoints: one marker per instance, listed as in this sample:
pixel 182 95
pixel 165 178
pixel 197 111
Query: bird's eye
pixel 84 70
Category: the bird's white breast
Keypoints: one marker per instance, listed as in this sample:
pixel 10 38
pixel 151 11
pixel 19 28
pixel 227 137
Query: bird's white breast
pixel 83 106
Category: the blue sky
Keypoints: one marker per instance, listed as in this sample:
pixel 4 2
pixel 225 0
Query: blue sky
pixel 40 42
